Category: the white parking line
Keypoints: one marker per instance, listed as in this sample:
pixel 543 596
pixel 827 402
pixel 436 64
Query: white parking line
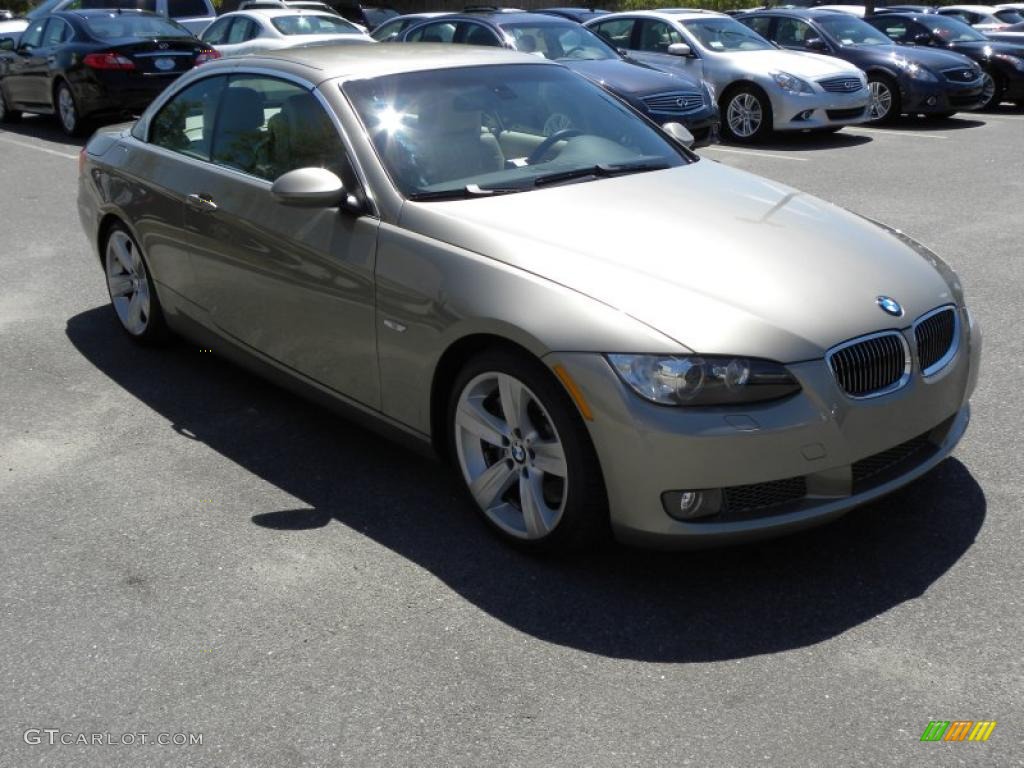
pixel 907 134
pixel 37 148
pixel 758 154
pixel 1014 118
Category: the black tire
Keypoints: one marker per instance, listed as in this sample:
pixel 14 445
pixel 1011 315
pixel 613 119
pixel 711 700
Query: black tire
pixel 997 94
pixel 7 115
pixel 155 331
pixel 584 516
pixel 735 96
pixel 895 108
pixel 73 124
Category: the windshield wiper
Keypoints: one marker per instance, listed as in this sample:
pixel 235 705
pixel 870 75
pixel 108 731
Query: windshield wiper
pixel 463 193
pixel 599 171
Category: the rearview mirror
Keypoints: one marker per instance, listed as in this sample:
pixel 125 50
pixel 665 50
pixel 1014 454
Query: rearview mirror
pixel 815 44
pixel 679 49
pixel 7 44
pixel 309 188
pixel 679 134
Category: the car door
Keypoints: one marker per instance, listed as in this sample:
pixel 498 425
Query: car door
pixel 294 284
pixel 651 39
pixel 24 65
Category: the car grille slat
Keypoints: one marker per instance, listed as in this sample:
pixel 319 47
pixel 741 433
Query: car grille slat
pixel 843 84
pixel 960 75
pixel 677 102
pixel 936 335
pixel 879 467
pixel 871 365
pixel 758 496
pixel 845 114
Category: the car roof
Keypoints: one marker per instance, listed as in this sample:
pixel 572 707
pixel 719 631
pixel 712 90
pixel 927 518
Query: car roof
pixel 805 13
pixel 975 8
pixel 273 13
pixel 325 62
pixel 681 14
pixel 507 17
pixel 87 12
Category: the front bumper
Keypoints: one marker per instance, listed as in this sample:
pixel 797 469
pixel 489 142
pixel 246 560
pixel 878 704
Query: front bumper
pixel 798 112
pixel 836 446
pixel 944 96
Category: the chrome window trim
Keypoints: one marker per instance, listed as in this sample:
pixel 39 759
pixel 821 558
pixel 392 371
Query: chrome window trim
pixel 897 385
pixel 954 346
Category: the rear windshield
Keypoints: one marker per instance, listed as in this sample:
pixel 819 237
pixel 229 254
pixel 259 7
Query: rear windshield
pixel 114 26
pixel 313 25
pixel 177 9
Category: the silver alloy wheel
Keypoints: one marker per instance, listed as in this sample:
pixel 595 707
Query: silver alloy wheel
pixel 66 107
pixel 127 282
pixel 744 115
pixel 881 100
pixel 988 91
pixel 511 455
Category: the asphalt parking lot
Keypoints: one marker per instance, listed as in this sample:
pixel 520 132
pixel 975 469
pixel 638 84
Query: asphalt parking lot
pixel 189 550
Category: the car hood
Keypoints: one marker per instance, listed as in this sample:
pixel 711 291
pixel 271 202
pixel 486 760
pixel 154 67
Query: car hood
pixel 633 79
pixel 717 259
pixel 809 65
pixel 984 47
pixel 930 57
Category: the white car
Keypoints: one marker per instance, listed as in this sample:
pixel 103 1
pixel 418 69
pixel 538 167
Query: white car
pixel 13 27
pixel 984 18
pixel 274 29
pixel 759 88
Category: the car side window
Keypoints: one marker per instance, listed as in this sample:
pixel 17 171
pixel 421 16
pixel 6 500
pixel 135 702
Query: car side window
pixel 178 9
pixel 793 33
pixel 476 34
pixel 657 36
pixel 266 127
pixel 388 30
pixel 241 30
pixel 185 123
pixel 216 33
pixel 33 36
pixel 898 30
pixel 442 32
pixel 57 31
pixel 760 24
pixel 618 32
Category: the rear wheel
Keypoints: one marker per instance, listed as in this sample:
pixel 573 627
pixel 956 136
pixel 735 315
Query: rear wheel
pixel 7 115
pixel 67 110
pixel 132 293
pixel 524 453
pixel 747 114
pixel 884 105
pixel 994 89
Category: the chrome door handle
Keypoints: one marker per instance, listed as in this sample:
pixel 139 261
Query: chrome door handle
pixel 200 202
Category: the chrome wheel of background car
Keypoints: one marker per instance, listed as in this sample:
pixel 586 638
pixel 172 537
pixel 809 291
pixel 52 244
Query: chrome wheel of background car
pixel 880 106
pixel 511 455
pixel 128 283
pixel 744 115
pixel 67 110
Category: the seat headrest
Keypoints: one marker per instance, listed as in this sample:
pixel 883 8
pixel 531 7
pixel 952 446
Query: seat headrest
pixel 241 109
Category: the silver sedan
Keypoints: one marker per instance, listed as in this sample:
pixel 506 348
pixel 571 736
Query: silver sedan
pixel 596 327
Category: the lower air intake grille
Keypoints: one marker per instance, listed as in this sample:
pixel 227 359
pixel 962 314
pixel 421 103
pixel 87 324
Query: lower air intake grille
pixel 747 498
pixel 872 365
pixel 874 469
pixel 935 335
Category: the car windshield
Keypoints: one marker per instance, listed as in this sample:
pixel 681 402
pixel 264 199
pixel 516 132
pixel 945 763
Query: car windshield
pixel 376 16
pixel 849 30
pixel 1009 16
pixel 558 40
pixel 309 24
pixel 115 26
pixel 726 35
pixel 480 131
pixel 954 31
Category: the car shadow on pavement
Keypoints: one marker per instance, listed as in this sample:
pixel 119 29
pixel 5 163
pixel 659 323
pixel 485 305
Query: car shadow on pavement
pixel 617 602
pixel 43 127
pixel 795 141
pixel 958 122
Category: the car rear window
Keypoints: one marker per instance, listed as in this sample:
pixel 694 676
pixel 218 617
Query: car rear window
pixel 307 24
pixel 182 8
pixel 114 26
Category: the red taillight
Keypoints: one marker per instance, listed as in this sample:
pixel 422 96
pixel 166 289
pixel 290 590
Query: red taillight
pixel 108 60
pixel 205 56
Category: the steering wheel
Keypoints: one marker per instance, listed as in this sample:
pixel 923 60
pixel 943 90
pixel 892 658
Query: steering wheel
pixel 575 49
pixel 545 146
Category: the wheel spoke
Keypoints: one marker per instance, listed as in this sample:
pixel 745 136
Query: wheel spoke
pixel 549 457
pixel 471 417
pixel 532 504
pixel 135 313
pixel 120 285
pixel 513 402
pixel 491 484
pixel 123 255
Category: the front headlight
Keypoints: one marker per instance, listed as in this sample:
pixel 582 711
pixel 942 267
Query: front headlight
pixel 916 71
pixel 791 83
pixel 704 379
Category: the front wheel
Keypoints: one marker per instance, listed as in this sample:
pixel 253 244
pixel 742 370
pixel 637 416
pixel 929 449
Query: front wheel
pixel 524 453
pixel 132 292
pixel 747 115
pixel 884 105
pixel 993 92
pixel 67 111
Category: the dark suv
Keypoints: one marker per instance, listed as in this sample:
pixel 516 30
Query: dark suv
pixel 663 97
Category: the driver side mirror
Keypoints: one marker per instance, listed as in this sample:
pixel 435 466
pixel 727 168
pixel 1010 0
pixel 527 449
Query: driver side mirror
pixel 309 188
pixel 679 49
pixel 815 44
pixel 922 38
pixel 679 134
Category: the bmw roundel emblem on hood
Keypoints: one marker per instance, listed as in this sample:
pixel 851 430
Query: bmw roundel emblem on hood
pixel 890 306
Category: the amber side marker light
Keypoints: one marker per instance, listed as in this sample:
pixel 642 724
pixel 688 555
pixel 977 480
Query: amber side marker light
pixel 574 392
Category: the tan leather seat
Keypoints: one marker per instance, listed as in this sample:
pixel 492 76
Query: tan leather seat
pixel 451 145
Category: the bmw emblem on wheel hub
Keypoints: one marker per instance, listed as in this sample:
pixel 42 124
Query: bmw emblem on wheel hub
pixel 890 306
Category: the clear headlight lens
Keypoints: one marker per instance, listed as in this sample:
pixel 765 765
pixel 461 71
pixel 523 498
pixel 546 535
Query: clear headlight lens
pixel 791 83
pixel 704 379
pixel 916 71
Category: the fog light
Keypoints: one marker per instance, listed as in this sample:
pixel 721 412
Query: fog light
pixel 805 115
pixel 687 505
pixel 932 101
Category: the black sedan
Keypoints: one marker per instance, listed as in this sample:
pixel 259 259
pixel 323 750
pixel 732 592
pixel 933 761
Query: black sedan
pixel 902 79
pixel 663 97
pixel 83 65
pixel 1003 61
